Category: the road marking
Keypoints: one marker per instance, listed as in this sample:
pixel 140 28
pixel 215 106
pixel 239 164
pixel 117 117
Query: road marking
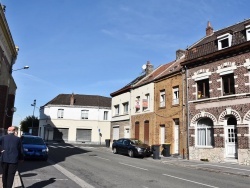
pixel 30 179
pixel 221 167
pixel 102 158
pixel 134 166
pixel 189 181
pixel 71 176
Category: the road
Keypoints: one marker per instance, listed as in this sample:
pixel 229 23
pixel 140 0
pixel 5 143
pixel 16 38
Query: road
pixel 80 166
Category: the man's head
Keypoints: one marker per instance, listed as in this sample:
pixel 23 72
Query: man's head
pixel 11 130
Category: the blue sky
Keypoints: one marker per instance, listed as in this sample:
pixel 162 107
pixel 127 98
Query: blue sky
pixel 96 47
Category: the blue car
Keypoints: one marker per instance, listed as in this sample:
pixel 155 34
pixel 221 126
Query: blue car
pixel 34 147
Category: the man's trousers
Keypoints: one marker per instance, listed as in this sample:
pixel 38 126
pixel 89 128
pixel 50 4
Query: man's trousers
pixel 9 171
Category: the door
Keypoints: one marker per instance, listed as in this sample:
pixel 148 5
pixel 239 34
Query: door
pixel 231 138
pixel 126 132
pixel 176 136
pixel 61 134
pixel 115 133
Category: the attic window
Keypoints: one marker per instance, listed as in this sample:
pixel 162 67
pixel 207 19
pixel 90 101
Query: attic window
pixel 248 32
pixel 224 41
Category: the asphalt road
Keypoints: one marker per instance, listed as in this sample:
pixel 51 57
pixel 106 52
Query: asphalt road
pixel 80 166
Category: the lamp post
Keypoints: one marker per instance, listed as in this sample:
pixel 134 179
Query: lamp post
pixel 34 104
pixel 25 67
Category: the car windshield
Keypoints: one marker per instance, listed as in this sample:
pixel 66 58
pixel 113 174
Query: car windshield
pixel 136 142
pixel 32 140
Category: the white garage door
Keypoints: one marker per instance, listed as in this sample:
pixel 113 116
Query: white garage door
pixel 83 135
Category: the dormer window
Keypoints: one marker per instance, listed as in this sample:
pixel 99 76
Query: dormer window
pixel 248 32
pixel 224 41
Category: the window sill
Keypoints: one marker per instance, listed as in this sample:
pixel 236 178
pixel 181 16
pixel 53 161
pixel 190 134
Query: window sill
pixel 204 147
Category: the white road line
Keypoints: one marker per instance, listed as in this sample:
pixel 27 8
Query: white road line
pixel 189 181
pixel 134 166
pixel 221 167
pixel 71 176
pixel 102 158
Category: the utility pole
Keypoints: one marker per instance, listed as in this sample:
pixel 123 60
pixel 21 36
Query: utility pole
pixel 34 104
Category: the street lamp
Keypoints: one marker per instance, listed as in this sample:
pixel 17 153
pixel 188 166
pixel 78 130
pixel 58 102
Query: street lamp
pixel 34 104
pixel 25 67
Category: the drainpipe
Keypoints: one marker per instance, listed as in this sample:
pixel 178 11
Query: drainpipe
pixel 187 116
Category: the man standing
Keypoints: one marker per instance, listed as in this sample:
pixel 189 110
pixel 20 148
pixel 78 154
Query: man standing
pixel 11 154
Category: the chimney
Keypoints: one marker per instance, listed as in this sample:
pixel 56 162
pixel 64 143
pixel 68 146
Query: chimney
pixel 180 54
pixel 209 29
pixel 72 99
pixel 149 68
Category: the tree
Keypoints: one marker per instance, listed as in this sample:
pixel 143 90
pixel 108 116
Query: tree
pixel 27 123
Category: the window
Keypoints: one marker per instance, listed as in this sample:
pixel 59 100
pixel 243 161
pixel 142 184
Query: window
pixel 175 95
pixel 105 115
pixel 137 104
pixel 145 102
pixel 162 98
pixel 224 41
pixel 248 32
pixel 228 84
pixel 205 133
pixel 203 89
pixel 85 114
pixel 116 109
pixel 60 113
pixel 125 108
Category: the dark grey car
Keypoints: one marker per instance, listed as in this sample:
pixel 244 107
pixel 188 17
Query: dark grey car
pixel 131 147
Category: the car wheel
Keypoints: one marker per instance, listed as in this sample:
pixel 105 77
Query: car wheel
pixel 45 159
pixel 114 150
pixel 131 153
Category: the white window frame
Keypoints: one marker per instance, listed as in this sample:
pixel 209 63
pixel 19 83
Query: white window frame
pixel 84 114
pixel 162 98
pixel 138 103
pixel 204 137
pixel 221 38
pixel 175 95
pixel 60 113
pixel 105 115
pixel 248 32
pixel 147 98
pixel 125 108
pixel 117 110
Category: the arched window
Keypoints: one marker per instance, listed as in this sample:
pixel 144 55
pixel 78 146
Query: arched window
pixel 205 132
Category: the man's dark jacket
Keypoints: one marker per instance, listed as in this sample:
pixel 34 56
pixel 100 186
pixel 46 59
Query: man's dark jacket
pixel 11 149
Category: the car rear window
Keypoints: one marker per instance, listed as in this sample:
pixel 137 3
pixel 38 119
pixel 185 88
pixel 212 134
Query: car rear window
pixel 32 140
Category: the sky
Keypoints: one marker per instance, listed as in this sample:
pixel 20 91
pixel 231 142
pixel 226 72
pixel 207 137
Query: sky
pixel 95 47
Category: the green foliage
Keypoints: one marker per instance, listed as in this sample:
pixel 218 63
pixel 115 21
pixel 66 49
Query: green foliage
pixel 27 122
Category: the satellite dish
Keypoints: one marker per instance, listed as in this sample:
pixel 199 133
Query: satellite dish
pixel 144 67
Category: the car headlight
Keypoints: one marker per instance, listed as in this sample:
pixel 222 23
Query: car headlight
pixel 45 150
pixel 25 149
pixel 138 149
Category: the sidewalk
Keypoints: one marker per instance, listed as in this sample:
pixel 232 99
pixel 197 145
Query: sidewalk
pixel 17 180
pixel 222 167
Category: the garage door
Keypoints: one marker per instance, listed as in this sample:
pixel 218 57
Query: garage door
pixel 61 134
pixel 83 135
pixel 116 133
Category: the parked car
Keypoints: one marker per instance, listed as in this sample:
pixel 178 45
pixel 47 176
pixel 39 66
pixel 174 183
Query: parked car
pixel 34 147
pixel 131 147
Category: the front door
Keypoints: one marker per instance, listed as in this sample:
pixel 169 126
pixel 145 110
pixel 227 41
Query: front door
pixel 176 136
pixel 231 139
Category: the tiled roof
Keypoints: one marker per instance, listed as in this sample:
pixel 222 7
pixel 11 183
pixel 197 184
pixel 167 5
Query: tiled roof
pixel 155 73
pixel 208 44
pixel 81 100
pixel 128 86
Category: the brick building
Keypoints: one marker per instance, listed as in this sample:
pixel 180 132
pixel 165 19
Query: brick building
pixel 8 55
pixel 217 70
